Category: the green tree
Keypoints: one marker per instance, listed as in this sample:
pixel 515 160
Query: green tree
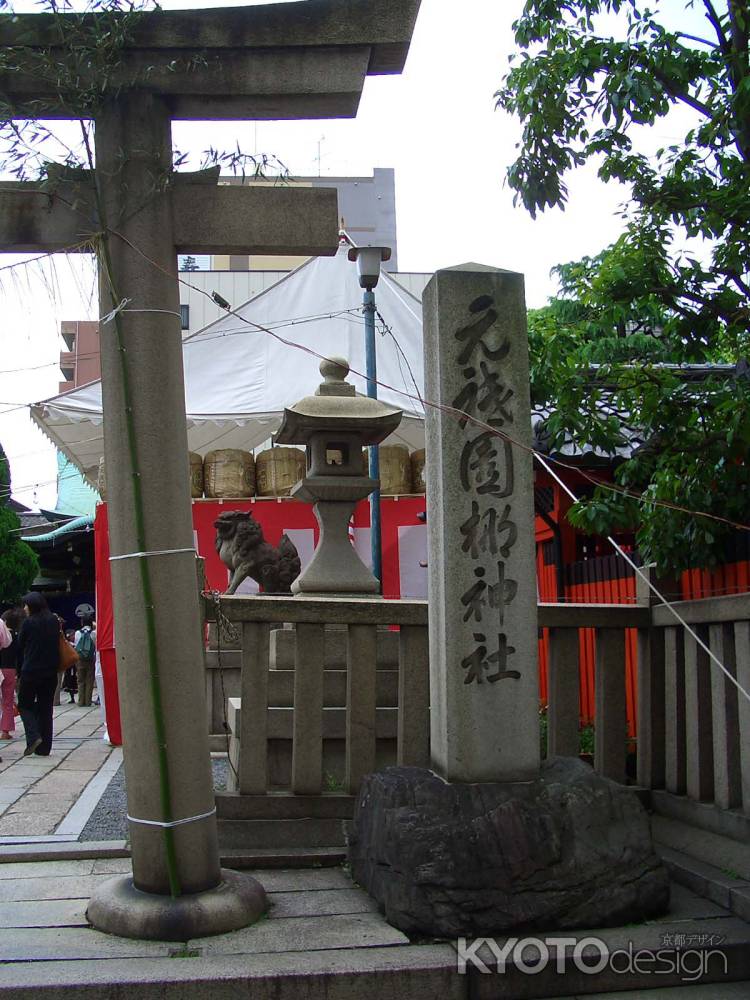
pixel 18 562
pixel 675 286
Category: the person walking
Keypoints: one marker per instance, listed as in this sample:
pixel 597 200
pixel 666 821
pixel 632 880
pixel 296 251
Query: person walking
pixel 13 618
pixel 39 656
pixel 85 644
pixel 70 679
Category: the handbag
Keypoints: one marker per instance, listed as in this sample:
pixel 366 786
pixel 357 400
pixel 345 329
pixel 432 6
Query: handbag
pixel 67 654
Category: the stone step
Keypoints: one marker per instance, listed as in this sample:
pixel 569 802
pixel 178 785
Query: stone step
pixel 239 858
pixel 282 645
pixel 231 659
pixel 713 866
pixel 73 850
pixel 281 684
pixel 731 823
pixel 705 880
pixel 712 991
pixel 284 805
pixel 281 722
pixel 316 949
pixel 231 857
pixel 723 853
pixel 205 971
pixel 307 832
pixel 720 944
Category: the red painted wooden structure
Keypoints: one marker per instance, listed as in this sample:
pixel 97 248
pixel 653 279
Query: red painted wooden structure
pixel 575 568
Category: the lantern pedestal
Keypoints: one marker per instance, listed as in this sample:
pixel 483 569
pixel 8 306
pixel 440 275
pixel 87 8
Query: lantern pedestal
pixel 335 568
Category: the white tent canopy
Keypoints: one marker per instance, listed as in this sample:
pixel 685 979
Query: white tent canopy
pixel 238 378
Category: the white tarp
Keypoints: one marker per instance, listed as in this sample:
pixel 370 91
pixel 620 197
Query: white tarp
pixel 238 379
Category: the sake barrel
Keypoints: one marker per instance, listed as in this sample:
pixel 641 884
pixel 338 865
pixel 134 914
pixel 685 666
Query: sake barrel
pixel 229 472
pixel 196 475
pixel 418 482
pixel 395 470
pixel 277 470
pixel 101 479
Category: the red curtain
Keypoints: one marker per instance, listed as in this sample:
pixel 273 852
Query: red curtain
pixel 276 517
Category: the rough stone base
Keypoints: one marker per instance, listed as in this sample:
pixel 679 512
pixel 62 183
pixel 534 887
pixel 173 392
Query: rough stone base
pixel 117 907
pixel 568 850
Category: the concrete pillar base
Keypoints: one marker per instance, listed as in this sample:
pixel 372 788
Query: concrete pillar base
pixel 117 907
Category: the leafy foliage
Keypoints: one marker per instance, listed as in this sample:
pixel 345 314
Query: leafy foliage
pixel 18 561
pixel 675 287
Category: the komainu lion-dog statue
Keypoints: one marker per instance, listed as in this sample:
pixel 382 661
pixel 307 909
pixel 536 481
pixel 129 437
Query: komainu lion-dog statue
pixel 246 553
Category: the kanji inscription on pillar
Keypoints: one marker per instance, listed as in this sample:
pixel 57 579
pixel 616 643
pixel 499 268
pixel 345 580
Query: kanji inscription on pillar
pixel 483 639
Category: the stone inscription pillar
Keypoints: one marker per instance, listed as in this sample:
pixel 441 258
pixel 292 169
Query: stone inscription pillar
pixel 482 578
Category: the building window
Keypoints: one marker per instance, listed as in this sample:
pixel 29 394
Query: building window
pixel 184 317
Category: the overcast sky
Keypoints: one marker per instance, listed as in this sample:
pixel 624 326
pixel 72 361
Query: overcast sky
pixel 436 125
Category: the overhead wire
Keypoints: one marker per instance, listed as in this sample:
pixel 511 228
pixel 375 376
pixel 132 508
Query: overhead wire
pixel 464 416
pixel 416 397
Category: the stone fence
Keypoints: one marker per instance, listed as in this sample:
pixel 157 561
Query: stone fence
pixel 694 725
pixel 313 715
pixel 330 700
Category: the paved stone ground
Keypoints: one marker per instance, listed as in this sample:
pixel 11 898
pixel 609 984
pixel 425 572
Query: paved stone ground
pixel 37 793
pixel 323 937
pixel 78 792
pixel 322 932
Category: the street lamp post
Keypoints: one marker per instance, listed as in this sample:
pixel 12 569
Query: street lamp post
pixel 368 261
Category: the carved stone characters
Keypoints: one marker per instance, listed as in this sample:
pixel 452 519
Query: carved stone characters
pixel 245 552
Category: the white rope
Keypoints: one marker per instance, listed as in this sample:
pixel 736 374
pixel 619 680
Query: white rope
pixel 166 312
pixel 118 308
pixel 123 307
pixel 172 823
pixel 646 578
pixel 146 555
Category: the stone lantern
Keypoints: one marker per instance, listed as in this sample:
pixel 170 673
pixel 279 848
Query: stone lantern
pixel 334 425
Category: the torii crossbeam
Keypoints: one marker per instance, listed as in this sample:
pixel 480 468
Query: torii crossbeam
pixel 301 60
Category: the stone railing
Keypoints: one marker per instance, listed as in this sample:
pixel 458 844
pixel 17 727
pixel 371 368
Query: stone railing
pixel 693 724
pixel 610 622
pixel 316 703
pixel 693 742
pixel 693 745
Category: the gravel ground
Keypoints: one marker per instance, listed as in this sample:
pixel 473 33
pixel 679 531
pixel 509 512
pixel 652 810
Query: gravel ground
pixel 108 821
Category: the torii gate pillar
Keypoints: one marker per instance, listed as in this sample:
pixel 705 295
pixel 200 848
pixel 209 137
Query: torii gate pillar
pixel 133 146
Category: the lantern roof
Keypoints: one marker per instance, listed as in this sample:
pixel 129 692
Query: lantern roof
pixel 337 407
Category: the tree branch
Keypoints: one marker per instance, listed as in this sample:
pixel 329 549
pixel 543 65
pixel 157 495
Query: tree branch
pixel 695 38
pixel 715 21
pixel 737 63
pixel 686 98
pixel 735 277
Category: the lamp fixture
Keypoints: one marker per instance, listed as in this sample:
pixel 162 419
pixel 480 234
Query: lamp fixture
pixel 368 261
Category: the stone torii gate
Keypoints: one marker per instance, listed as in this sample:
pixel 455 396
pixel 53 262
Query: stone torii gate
pixel 284 61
